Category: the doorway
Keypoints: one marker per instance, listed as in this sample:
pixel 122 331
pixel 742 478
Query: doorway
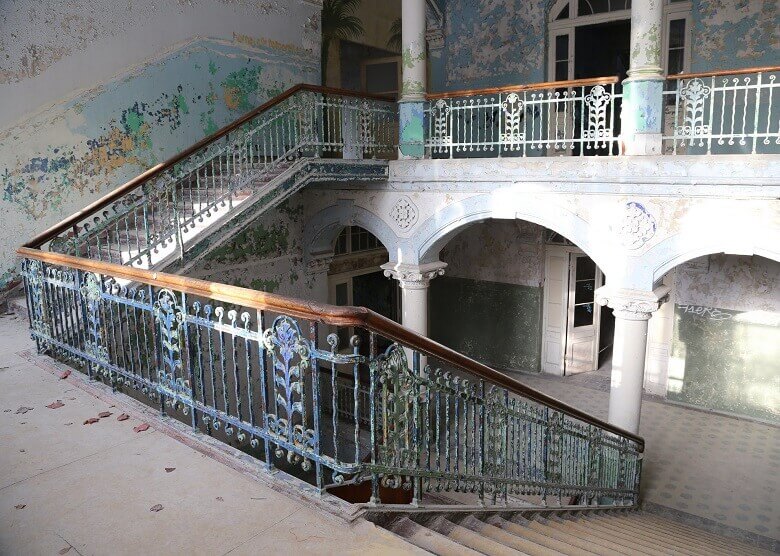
pixel 578 334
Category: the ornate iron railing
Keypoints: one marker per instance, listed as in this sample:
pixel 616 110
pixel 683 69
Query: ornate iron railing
pixel 267 371
pixel 579 117
pixel 156 216
pixel 723 112
pixel 254 367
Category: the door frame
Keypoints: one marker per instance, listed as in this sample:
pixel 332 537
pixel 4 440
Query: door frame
pixel 549 339
pixel 672 10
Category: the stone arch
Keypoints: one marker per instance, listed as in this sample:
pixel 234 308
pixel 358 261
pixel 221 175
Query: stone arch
pixel 680 248
pixel 322 229
pixel 439 229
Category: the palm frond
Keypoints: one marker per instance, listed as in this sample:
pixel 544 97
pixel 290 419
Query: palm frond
pixel 394 42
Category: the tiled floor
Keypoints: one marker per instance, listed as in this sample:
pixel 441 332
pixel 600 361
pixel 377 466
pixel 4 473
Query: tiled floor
pixel 713 466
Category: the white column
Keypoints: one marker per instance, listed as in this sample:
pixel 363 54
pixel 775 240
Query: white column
pixel 642 91
pixel 632 309
pixel 413 79
pixel 414 281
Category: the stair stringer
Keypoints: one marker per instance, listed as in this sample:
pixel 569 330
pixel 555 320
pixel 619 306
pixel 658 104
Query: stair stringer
pixel 269 196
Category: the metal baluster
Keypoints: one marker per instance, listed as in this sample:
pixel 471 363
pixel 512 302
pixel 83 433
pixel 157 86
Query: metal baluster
pixel 313 335
pixel 261 354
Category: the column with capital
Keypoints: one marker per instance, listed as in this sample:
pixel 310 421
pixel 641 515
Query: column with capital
pixel 414 281
pixel 632 310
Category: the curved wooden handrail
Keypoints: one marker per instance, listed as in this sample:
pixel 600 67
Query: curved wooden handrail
pixel 329 314
pixel 112 196
pixel 530 87
pixel 721 73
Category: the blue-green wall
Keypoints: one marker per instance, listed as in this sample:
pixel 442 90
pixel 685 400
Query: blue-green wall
pixel 495 323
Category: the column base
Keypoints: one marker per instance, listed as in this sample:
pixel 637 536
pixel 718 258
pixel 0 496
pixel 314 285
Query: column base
pixel 642 115
pixel 411 134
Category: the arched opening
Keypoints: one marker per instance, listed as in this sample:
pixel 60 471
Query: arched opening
pixel 716 344
pixel 356 279
pixel 520 297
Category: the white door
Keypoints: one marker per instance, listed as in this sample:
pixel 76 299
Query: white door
pixel 583 315
pixel 556 292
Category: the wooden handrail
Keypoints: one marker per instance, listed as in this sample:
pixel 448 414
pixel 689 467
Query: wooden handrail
pixel 530 87
pixel 329 314
pixel 117 193
pixel 720 73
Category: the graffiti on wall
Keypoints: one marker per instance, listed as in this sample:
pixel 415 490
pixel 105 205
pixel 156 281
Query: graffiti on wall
pixel 55 163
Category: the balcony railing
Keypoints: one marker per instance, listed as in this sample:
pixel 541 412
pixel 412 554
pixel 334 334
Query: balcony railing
pixel 732 112
pixel 579 117
pixel 267 371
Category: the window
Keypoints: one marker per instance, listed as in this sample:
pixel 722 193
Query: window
pixel 676 52
pixel 591 7
pixel 353 239
pixel 584 291
pixel 561 57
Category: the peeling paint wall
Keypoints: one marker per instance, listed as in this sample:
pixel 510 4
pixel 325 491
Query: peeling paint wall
pixel 488 303
pixel 267 256
pixel 491 43
pixel 70 153
pixel 726 340
pixel 730 34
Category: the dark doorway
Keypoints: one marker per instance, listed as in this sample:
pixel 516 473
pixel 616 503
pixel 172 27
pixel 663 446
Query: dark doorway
pixel 376 292
pixel 603 50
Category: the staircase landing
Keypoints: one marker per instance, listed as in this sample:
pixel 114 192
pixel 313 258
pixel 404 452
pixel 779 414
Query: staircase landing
pixel 91 487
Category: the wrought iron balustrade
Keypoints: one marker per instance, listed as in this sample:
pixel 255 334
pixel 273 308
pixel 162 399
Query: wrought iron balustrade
pixel 155 216
pixel 725 112
pixel 256 368
pixel 579 117
pixel 267 372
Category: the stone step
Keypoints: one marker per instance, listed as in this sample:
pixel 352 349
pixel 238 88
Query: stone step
pixel 428 539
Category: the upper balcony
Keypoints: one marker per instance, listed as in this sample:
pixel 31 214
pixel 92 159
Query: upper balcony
pixel 724 112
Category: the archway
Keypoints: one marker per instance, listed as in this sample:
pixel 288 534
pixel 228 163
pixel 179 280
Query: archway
pixel 520 297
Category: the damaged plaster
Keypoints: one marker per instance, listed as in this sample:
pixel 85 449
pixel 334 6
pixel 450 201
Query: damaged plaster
pixel 55 163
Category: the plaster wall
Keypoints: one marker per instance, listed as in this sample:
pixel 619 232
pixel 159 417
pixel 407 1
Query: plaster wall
pixel 725 340
pixel 166 94
pixel 267 256
pixel 52 50
pixel 488 303
pixel 493 43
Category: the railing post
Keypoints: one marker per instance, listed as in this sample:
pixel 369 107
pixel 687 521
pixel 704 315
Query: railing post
pixel 315 386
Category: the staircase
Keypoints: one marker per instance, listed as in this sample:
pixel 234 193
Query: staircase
pixel 555 533
pixel 164 217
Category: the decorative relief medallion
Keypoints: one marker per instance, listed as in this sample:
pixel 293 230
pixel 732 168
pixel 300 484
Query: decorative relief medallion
pixel 635 227
pixel 404 213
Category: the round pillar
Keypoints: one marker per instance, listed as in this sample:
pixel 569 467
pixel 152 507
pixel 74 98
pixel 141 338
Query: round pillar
pixel 632 310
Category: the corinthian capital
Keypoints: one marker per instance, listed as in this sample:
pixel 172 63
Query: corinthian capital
pixel 413 276
pixel 632 304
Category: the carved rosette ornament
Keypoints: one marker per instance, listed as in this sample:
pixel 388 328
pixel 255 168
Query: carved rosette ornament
pixel 635 226
pixel 404 213
pixel 632 304
pixel 414 277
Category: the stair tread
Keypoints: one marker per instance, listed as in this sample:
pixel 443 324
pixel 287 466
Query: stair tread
pixel 651 530
pixel 428 539
pixel 540 538
pixel 599 538
pixel 640 537
pixel 508 538
pixel 471 539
